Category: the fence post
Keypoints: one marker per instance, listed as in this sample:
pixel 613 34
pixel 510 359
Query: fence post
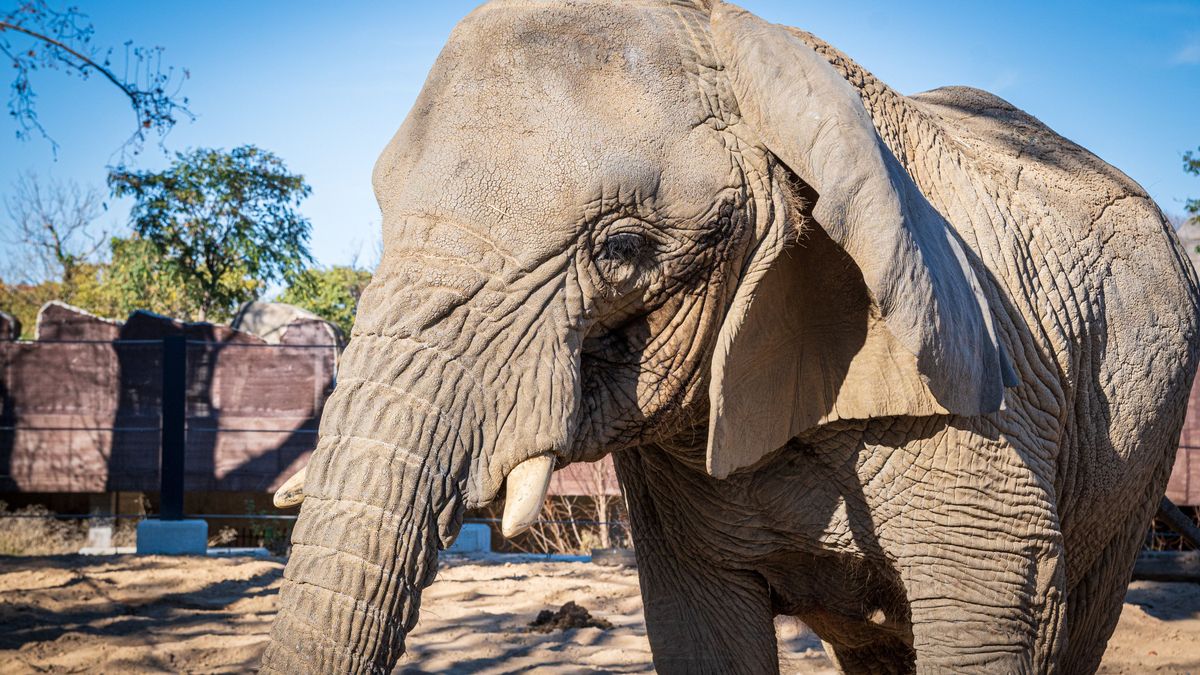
pixel 174 431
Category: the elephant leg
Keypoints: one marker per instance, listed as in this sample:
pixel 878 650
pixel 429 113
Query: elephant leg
pixel 1095 601
pixel 701 617
pixel 971 619
pixel 982 602
pixel 1094 607
pixel 980 555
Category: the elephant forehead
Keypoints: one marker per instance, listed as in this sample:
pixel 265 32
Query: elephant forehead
pixel 537 116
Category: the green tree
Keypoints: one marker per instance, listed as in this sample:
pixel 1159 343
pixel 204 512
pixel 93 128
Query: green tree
pixel 134 279
pixel 1191 164
pixel 96 287
pixel 331 293
pixel 218 226
pixel 25 300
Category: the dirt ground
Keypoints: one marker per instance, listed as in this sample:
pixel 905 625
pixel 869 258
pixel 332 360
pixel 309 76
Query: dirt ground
pixel 211 615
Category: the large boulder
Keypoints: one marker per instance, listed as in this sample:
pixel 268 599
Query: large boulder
pixel 281 323
pixel 59 321
pixel 143 325
pixel 10 327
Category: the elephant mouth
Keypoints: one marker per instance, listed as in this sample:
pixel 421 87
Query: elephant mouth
pixel 525 490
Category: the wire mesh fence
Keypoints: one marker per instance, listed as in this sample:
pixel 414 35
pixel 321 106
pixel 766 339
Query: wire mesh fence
pixel 94 416
pixel 87 415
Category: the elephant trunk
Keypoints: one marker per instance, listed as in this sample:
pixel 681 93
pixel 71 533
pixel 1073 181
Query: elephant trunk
pixel 383 488
pixel 453 381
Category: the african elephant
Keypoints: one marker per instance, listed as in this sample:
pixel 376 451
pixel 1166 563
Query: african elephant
pixel 910 368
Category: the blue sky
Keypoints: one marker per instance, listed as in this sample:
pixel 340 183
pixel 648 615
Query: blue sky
pixel 325 85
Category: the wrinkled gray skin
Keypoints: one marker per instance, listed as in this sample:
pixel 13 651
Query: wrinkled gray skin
pixel 583 222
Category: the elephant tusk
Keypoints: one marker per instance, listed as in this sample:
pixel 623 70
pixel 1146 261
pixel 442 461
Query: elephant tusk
pixel 527 485
pixel 291 492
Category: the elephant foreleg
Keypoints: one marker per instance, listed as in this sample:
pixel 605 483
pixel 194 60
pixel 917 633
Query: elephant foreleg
pixel 994 608
pixel 702 617
pixel 968 624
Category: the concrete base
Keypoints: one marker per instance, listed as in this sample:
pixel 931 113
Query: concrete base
pixel 472 538
pixel 111 550
pixel 100 536
pixel 172 537
pixel 256 551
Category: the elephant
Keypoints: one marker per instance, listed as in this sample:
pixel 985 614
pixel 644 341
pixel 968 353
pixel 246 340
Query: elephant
pixel 910 368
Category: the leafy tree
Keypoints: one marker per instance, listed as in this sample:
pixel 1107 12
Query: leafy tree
pixel 36 36
pixel 1191 164
pixel 24 300
pixel 331 293
pixel 130 281
pixel 134 280
pixel 96 289
pixel 218 227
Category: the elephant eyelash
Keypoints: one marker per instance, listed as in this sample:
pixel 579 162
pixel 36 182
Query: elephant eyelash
pixel 625 248
pixel 624 261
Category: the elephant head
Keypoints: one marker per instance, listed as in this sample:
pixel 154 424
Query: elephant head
pixel 605 224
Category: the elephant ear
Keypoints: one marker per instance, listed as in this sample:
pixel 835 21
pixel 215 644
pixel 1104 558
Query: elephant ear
pixel 877 312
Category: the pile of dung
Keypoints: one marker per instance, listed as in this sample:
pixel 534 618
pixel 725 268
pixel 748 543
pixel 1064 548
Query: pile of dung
pixel 569 615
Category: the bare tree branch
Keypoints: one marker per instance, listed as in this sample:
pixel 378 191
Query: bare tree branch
pixel 62 40
pixel 53 223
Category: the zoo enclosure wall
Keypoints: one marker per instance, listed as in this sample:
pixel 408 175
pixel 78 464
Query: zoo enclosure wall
pixel 80 408
pixel 85 415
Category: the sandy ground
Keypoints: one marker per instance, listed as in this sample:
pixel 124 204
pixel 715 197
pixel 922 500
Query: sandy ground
pixel 208 615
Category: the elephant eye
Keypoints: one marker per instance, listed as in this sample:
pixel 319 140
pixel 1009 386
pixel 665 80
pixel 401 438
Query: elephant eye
pixel 623 248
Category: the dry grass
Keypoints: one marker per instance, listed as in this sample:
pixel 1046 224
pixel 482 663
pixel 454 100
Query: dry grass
pixel 567 525
pixel 33 530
